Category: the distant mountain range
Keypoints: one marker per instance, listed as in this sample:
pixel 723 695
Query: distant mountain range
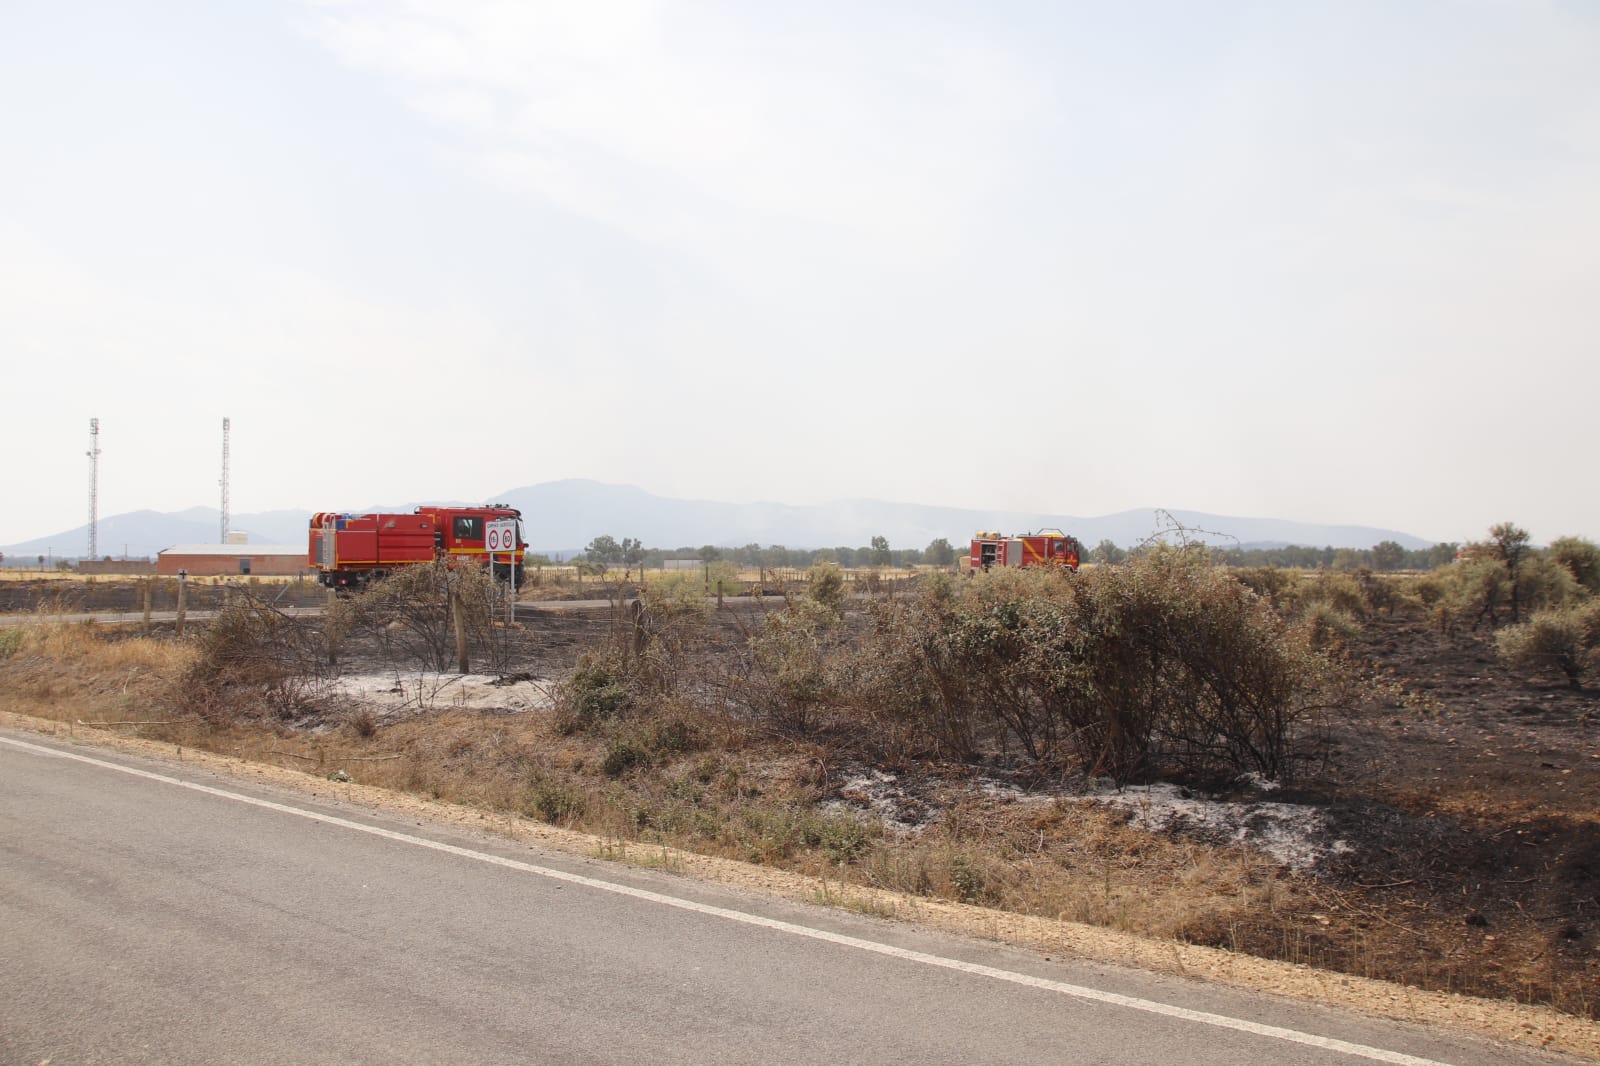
pixel 561 517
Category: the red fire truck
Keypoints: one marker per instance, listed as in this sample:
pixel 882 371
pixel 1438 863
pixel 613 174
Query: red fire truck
pixel 1047 547
pixel 349 550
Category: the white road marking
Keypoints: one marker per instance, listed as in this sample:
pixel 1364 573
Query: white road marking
pixel 1095 995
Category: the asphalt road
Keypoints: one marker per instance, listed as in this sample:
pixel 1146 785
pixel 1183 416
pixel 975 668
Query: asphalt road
pixel 152 914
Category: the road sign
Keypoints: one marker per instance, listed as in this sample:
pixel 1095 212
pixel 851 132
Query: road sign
pixel 501 535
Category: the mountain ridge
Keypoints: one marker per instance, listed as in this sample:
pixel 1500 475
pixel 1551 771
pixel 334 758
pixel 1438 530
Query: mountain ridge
pixel 563 516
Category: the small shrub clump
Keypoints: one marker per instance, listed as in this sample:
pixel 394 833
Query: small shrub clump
pixel 1167 664
pixel 1561 640
pixel 599 690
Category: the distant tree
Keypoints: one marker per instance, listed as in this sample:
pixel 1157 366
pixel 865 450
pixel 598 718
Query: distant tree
pixel 1388 555
pixel 1441 554
pixel 1108 553
pixel 632 555
pixel 939 552
pixel 846 556
pixel 749 555
pixel 1349 559
pixel 710 553
pixel 604 551
pixel 1511 546
pixel 881 555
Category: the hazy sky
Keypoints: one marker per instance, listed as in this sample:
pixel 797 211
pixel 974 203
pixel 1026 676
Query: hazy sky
pixel 1332 262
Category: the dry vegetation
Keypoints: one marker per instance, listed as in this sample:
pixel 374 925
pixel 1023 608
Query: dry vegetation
pixel 949 742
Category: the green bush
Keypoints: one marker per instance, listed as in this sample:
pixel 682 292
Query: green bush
pixel 599 690
pixel 1166 663
pixel 825 586
pixel 677 595
pixel 1327 627
pixel 550 799
pixel 1341 591
pixel 1580 558
pixel 793 675
pixel 622 754
pixel 1561 640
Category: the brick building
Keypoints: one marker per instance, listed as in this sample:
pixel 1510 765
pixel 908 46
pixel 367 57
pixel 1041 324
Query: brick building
pixel 236 560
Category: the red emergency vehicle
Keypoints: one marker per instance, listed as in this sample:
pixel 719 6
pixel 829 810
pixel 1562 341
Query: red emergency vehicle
pixel 1047 547
pixel 349 550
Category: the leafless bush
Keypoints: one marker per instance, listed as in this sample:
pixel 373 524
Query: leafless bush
pixel 252 653
pixel 413 614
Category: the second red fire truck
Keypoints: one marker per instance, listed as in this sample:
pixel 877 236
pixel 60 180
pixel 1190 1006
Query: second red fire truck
pixel 1048 547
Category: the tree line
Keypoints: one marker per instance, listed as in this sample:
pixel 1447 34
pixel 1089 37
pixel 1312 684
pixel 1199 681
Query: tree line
pixel 609 552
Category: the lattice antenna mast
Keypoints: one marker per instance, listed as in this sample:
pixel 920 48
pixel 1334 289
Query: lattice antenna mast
pixel 224 481
pixel 94 488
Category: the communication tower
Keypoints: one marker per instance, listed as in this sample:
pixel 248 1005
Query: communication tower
pixel 94 487
pixel 224 481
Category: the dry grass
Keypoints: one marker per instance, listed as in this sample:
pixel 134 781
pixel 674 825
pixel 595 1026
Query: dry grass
pixel 88 672
pixel 742 799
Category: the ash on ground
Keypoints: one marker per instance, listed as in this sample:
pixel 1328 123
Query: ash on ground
pixel 1297 837
pixel 393 696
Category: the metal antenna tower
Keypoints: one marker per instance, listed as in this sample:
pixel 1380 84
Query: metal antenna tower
pixel 94 488
pixel 224 481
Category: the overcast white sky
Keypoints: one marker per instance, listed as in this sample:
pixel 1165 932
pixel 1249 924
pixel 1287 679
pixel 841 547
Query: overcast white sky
pixel 1332 262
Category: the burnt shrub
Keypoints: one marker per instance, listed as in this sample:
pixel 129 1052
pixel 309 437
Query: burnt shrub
pixel 413 613
pixel 252 658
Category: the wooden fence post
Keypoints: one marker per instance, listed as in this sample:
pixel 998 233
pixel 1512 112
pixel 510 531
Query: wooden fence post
pixel 460 618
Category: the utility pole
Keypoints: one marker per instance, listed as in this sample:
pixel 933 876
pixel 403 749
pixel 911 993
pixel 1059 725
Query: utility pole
pixel 224 481
pixel 94 488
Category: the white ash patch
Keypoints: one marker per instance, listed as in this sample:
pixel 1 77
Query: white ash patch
pixel 1296 836
pixel 1004 791
pixel 400 695
pixel 882 796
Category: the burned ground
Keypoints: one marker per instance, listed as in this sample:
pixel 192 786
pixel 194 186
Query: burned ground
pixel 1456 804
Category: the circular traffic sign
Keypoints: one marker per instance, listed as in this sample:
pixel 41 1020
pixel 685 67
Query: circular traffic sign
pixel 494 539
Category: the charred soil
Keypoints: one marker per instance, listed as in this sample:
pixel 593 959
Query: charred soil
pixel 1452 811
pixel 1458 843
